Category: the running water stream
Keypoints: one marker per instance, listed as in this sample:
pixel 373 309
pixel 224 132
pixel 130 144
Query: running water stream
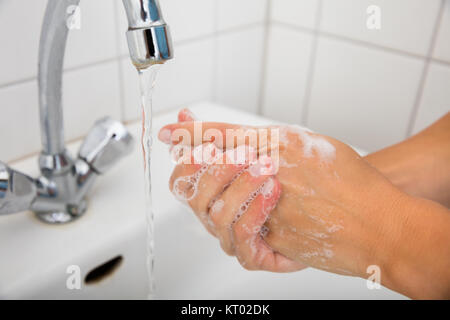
pixel 147 78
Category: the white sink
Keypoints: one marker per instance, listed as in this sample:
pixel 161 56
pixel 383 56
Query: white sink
pixel 189 262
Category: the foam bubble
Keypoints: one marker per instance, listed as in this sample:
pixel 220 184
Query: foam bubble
pixel 267 188
pixel 217 206
pixel 206 153
pixel 242 154
pixel 180 154
pixel 320 235
pixel 285 164
pixel 264 231
pixel 324 149
pixel 323 254
pixel 263 166
pixel 245 205
pixel 185 188
pixel 334 228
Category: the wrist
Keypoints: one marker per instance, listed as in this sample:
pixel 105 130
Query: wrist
pixel 418 166
pixel 415 260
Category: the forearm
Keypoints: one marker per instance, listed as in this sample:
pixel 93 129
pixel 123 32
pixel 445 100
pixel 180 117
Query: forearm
pixel 419 166
pixel 416 260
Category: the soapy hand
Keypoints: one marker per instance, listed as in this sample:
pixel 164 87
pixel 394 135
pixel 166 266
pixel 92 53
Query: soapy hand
pixel 231 198
pixel 303 199
pixel 313 209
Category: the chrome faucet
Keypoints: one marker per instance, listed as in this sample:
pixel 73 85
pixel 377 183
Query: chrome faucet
pixel 59 194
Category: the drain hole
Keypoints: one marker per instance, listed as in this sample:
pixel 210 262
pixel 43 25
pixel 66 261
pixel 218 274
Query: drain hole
pixel 101 272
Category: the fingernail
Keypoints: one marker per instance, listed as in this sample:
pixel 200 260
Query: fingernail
pixel 186 115
pixel 267 189
pixel 165 135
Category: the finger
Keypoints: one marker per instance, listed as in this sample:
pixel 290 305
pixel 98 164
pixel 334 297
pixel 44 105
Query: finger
pixel 195 132
pixel 233 203
pixel 184 185
pixel 202 175
pixel 247 234
pixel 203 180
pixel 215 180
pixel 223 135
pixel 177 151
pixel 184 178
pixel 186 115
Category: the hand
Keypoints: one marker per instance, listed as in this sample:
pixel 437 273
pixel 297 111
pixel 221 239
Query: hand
pixel 335 212
pixel 231 201
pixel 321 216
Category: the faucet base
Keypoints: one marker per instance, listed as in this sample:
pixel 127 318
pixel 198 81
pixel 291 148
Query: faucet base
pixel 61 217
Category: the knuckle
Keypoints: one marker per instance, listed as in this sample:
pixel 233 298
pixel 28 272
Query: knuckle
pixel 247 265
pixel 215 215
pixel 225 247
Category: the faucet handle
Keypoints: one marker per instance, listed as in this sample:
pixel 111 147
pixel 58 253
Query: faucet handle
pixel 106 143
pixel 17 190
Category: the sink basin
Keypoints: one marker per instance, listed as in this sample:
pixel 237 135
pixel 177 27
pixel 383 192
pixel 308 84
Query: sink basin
pixel 189 262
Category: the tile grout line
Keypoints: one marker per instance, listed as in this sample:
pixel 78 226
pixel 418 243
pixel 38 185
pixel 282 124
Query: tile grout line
pixel 311 67
pixel 66 70
pixel 359 42
pixel 122 56
pixel 18 82
pixel 237 29
pixel 424 75
pixel 217 32
pixel 265 57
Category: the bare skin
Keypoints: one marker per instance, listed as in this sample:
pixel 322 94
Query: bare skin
pixel 420 165
pixel 324 207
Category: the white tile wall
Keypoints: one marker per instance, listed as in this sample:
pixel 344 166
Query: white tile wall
pixel 189 19
pixel 286 74
pixel 121 27
pixel 405 24
pixel 96 39
pixel 364 85
pixel 298 13
pixel 19 121
pixel 239 66
pixel 19 41
pixel 236 13
pixel 351 87
pixel 187 78
pixel 442 48
pixel 436 96
pixel 99 78
pixel 362 96
pixel 90 94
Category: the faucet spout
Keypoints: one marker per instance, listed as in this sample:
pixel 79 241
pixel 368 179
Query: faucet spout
pixel 148 34
pixel 52 46
pixel 149 43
